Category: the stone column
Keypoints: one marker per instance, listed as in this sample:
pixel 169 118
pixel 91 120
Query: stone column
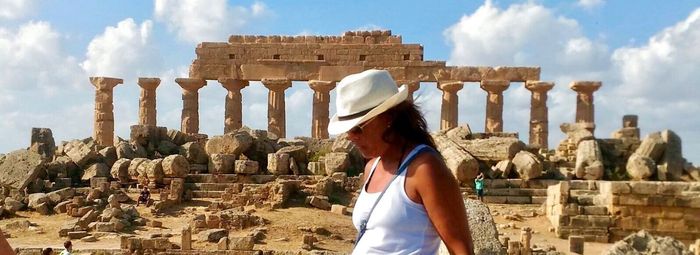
pixel 321 104
pixel 190 103
pixel 276 122
pixel 539 113
pixel 147 101
pixel 233 115
pixel 494 104
pixel 449 110
pixel 584 100
pixel 103 132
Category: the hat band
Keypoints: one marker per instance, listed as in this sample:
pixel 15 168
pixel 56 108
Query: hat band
pixel 355 115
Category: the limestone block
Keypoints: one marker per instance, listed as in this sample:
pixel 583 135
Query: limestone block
pixel 577 132
pixel 502 169
pixel 640 167
pixel 483 230
pixel 130 151
pixel 134 167
pixel 80 153
pixel 492 149
pixel 42 142
pixel 166 147
pixel 336 162
pixel 461 132
pixel 672 159
pixel 298 152
pixel 96 170
pixel 339 209
pixel 317 168
pixel 589 161
pixel 231 143
pixel 120 170
pixel 652 146
pixel 177 137
pixel 245 243
pixel 109 155
pixel 222 244
pixel 175 166
pixel 19 168
pixel 527 165
pixel 60 195
pixel 460 162
pixel 320 202
pixel 222 163
pixel 246 167
pixel 194 152
pixel 154 170
pixel 278 163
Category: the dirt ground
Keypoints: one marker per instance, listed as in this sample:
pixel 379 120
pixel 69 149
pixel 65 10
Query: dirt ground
pixel 284 232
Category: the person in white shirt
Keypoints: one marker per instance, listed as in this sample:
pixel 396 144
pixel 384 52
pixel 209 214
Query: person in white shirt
pixel 410 200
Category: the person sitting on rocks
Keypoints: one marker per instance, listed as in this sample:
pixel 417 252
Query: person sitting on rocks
pixel 144 197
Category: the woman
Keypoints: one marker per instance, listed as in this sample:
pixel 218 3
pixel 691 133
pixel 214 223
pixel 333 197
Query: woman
pixel 400 210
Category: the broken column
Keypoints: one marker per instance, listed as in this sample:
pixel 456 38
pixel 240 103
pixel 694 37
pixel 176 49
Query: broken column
pixel 494 104
pixel 539 113
pixel 186 242
pixel 103 132
pixel 584 100
pixel 450 102
pixel 321 104
pixel 276 122
pixel 629 128
pixel 190 103
pixel 233 115
pixel 147 101
pixel 525 237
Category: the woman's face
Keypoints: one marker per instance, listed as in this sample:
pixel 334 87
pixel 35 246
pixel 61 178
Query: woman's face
pixel 368 138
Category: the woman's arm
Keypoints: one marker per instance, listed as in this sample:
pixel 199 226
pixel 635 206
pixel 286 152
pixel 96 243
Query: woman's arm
pixel 439 192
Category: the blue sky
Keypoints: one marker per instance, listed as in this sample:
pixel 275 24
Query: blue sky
pixel 644 52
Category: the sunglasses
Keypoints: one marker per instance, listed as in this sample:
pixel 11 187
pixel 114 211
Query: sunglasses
pixel 357 130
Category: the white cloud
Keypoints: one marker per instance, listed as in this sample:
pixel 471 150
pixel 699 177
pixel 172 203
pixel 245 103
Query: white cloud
pixel 590 4
pixel 368 27
pixel 655 81
pixel 197 21
pixel 124 51
pixel 15 9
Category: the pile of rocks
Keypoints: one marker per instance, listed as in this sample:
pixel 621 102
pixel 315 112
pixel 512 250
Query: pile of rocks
pixel 644 243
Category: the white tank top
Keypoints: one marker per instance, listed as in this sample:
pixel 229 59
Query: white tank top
pixel 397 225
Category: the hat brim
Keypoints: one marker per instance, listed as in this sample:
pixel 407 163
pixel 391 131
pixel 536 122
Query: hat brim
pixel 336 126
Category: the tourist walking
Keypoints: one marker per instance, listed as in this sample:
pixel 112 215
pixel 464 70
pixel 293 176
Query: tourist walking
pixel 409 199
pixel 69 248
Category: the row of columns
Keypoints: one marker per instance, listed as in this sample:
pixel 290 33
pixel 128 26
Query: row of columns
pixel 104 114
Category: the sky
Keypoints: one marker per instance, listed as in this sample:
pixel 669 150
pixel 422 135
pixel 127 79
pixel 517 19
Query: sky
pixel 645 53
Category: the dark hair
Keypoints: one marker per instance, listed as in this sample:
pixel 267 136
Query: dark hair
pixel 408 126
pixel 67 244
pixel 47 251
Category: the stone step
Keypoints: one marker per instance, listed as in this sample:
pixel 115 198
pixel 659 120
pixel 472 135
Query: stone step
pixel 211 178
pixel 519 183
pixel 515 192
pixel 594 210
pixel 584 200
pixel 208 186
pixel 576 193
pixel 206 194
pixel 583 185
pixel 508 199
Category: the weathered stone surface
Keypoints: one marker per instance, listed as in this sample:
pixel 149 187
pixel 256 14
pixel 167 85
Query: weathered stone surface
pixel 297 152
pixel 231 143
pixel 336 162
pixel 134 167
pixel 81 153
pixel 19 168
pixel 95 170
pixel 493 149
pixel 194 152
pixel 222 163
pixel 212 235
pixel 672 159
pixel 130 151
pixel 320 202
pixel 42 142
pixel 644 243
pixel 176 166
pixel 60 195
pixel 109 155
pixel 502 169
pixel 527 165
pixel 278 163
pixel 37 198
pixel 246 167
pixel 460 132
pixel 245 243
pixel 120 170
pixel 482 228
pixel 12 205
pixel 167 147
pixel 460 162
pixel 640 167
pixel 62 167
pixel 177 137
pixel 154 170
pixel 577 132
pixel 589 161
pixel 652 147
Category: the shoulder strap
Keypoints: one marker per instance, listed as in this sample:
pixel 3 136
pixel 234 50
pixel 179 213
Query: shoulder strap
pixel 412 155
pixel 371 172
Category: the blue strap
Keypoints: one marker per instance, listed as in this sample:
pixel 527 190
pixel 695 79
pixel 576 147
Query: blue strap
pixel 412 155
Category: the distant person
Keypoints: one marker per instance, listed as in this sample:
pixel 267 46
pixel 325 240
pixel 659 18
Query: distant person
pixel 5 247
pixel 69 248
pixel 479 186
pixel 144 196
pixel 409 199
pixel 47 251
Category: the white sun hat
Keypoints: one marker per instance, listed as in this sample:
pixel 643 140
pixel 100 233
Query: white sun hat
pixel 364 95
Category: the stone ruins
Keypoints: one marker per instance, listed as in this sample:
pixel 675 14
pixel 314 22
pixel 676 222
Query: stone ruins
pixel 590 189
